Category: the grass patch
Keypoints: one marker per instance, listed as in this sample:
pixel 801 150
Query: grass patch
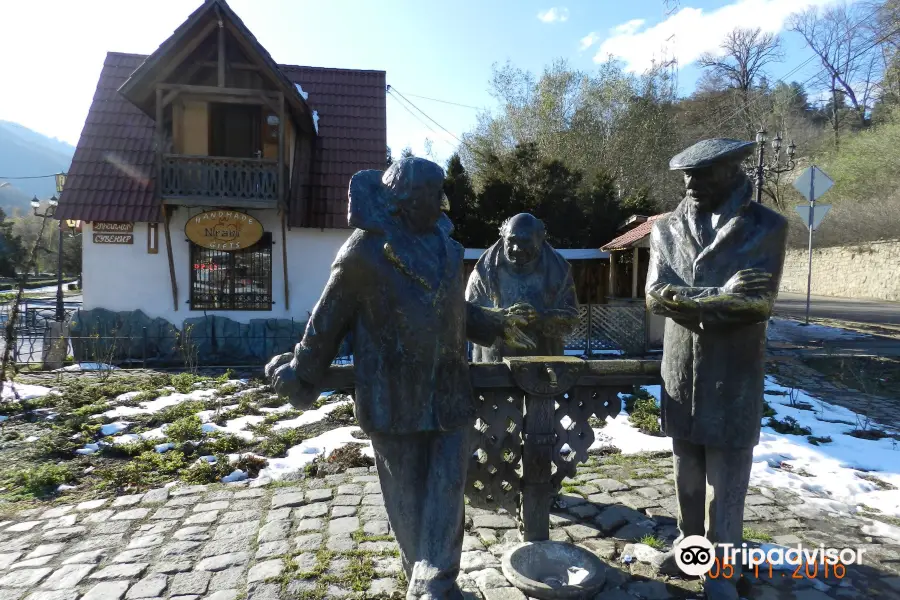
pixel 768 411
pixel 277 442
pixel 653 542
pixel 184 382
pixel 756 535
pixel 39 481
pixel 185 429
pixel 147 469
pixel 868 434
pixel 788 426
pixel 882 485
pixel 173 413
pixel 643 412
pixel 817 440
pixel 342 415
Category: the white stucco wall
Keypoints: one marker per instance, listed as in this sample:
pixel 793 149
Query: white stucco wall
pixel 125 277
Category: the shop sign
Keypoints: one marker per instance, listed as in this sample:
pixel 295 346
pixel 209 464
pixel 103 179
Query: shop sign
pixel 226 230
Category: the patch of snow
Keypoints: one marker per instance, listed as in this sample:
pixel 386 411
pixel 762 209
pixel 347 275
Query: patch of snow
pixel 32 438
pixel 236 475
pixel 87 366
pixel 88 449
pixel 153 406
pixel 301 455
pixel 161 448
pixel 114 428
pixel 311 416
pixel 128 396
pixel 620 433
pixel 831 472
pixel 301 92
pixel 152 434
pixel 22 391
pixel 208 459
pixel 63 487
pixel 278 409
pixel 315 118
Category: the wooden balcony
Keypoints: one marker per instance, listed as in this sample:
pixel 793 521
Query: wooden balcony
pixel 219 181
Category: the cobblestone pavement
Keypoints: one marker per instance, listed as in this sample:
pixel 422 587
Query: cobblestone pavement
pixel 330 538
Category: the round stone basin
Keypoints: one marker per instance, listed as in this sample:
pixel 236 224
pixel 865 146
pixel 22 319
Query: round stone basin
pixel 550 570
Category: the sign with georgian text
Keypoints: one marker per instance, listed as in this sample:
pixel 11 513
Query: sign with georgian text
pixel 226 230
pixel 110 227
pixel 113 238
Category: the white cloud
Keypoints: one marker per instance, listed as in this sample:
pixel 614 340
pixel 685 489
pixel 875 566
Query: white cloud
pixel 589 40
pixel 629 27
pixel 557 14
pixel 690 32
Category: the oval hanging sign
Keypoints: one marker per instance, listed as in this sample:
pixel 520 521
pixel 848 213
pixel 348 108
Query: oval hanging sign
pixel 226 230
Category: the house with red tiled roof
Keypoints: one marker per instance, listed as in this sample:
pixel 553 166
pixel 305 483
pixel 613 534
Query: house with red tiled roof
pixel 629 259
pixel 212 180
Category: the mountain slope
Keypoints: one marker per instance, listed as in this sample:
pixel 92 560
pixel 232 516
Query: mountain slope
pixel 23 153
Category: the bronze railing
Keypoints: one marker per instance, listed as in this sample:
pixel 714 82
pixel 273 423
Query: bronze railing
pixel 219 178
pixel 533 427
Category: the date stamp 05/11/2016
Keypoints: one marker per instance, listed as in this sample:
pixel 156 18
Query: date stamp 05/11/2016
pixel 696 556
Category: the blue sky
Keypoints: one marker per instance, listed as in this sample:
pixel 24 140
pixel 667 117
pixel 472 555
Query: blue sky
pixel 51 51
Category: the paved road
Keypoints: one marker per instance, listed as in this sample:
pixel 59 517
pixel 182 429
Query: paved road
pixel 847 309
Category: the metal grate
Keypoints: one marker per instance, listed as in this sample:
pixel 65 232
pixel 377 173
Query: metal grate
pixel 240 280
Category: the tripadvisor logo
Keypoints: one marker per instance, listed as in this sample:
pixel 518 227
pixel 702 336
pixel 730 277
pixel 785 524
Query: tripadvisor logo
pixel 694 555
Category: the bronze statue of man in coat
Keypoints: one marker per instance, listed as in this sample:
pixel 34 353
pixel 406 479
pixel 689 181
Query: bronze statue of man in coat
pixel 397 285
pixel 523 268
pixel 715 267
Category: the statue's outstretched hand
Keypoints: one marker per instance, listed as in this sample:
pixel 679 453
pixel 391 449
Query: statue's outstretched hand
pixel 514 318
pixel 524 310
pixel 285 382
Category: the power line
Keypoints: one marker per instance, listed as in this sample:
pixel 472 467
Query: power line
pixel 30 176
pixel 451 134
pixel 445 101
pixel 430 128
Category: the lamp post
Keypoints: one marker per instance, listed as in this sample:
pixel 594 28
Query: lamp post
pixel 49 214
pixel 775 167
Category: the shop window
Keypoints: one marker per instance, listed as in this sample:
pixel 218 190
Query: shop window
pixel 240 280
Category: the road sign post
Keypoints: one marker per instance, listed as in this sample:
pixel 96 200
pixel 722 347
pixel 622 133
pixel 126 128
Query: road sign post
pixel 806 184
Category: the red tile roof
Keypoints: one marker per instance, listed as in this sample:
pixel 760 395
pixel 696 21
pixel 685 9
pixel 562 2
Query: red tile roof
pixel 632 236
pixel 112 173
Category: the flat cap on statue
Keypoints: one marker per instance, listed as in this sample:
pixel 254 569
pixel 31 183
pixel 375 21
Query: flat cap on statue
pixel 706 153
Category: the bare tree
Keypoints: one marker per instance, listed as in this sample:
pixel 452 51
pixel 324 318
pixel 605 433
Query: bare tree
pixel 741 63
pixel 841 38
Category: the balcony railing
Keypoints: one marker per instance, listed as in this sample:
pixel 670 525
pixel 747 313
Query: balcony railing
pixel 235 181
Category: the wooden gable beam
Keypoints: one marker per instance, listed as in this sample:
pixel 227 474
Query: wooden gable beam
pixel 175 61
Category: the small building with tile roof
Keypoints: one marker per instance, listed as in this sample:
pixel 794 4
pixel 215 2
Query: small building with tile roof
pixel 212 180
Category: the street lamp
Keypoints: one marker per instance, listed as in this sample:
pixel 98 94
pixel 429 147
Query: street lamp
pixel 775 167
pixel 49 213
pixel 60 309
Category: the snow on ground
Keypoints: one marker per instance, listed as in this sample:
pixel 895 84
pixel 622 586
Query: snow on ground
pixel 13 391
pixel 237 426
pixel 311 416
pixel 827 476
pixel 86 366
pixel 788 330
pixel 322 445
pixel 152 406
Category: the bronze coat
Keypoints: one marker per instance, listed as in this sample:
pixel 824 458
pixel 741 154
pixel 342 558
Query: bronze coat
pixel 403 300
pixel 714 366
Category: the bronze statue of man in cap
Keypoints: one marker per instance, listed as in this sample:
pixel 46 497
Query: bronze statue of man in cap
pixel 397 285
pixel 715 267
pixel 523 268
